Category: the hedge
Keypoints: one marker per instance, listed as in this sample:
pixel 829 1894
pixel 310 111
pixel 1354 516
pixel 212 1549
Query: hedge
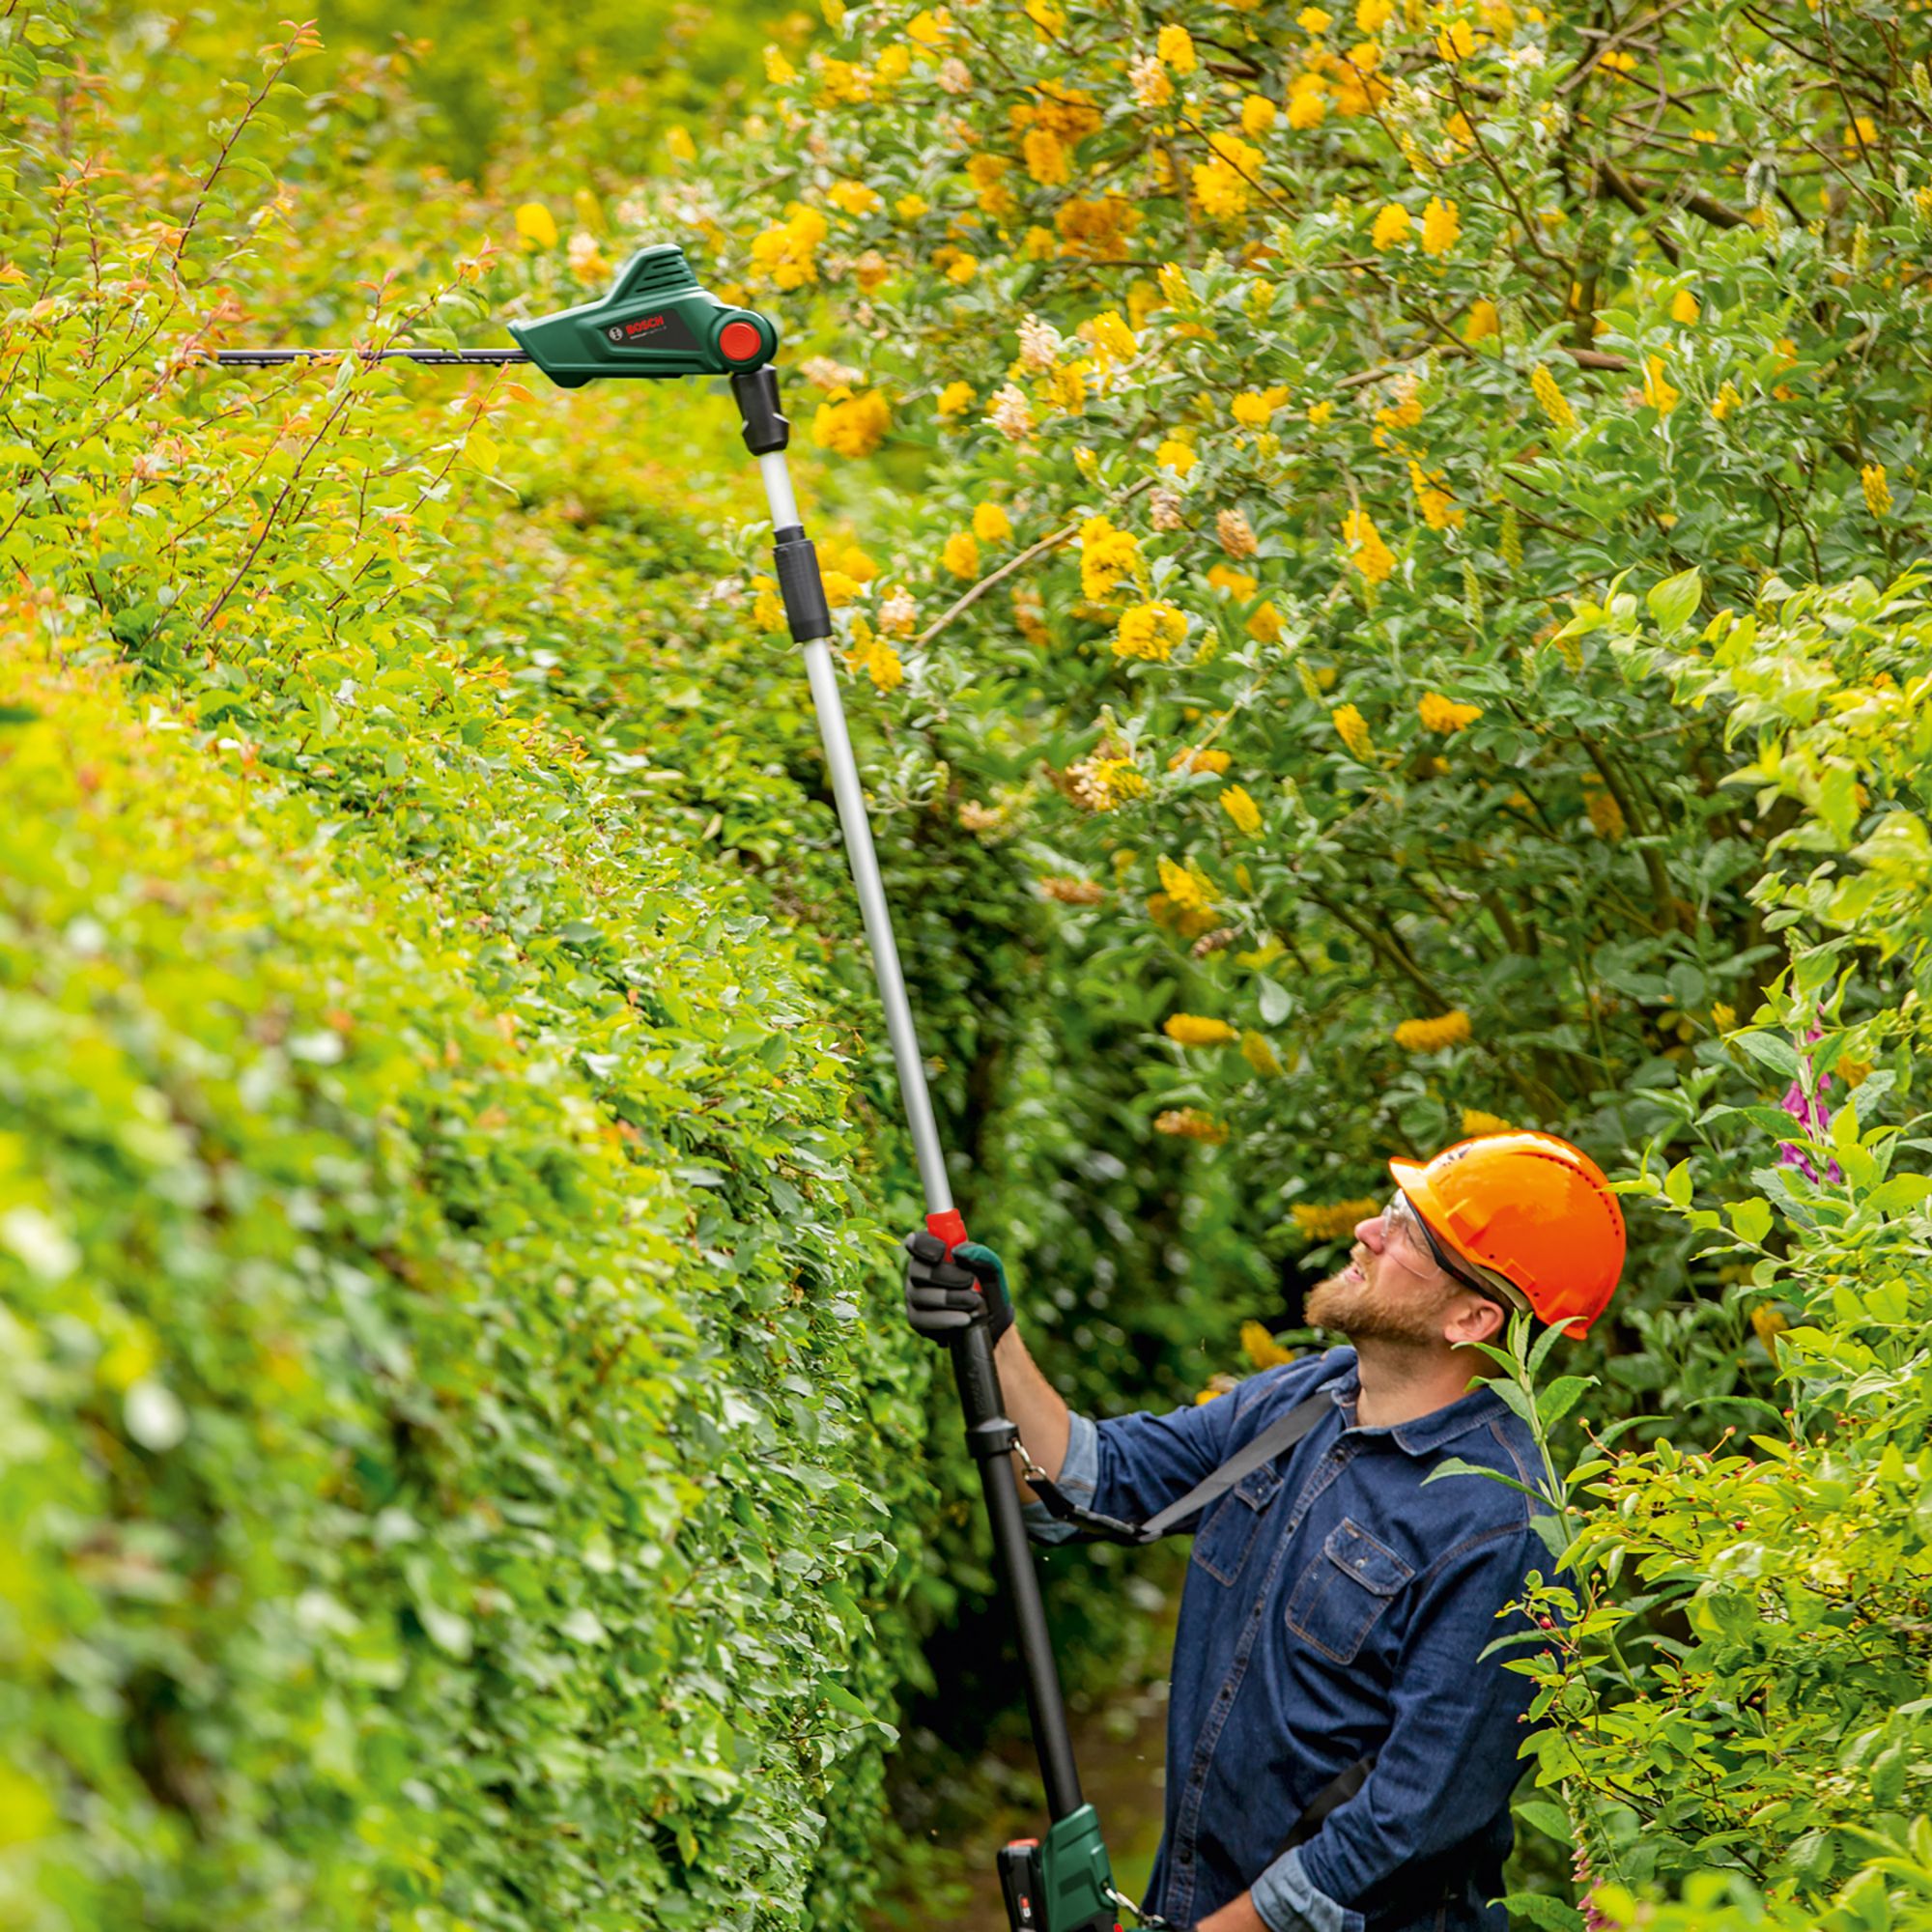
pixel 462 1456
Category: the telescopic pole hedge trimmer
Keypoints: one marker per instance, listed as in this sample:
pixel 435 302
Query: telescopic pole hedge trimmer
pixel 657 322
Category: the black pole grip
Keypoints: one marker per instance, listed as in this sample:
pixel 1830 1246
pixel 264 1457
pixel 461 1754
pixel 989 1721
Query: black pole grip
pixel 988 1426
pixel 800 586
pixel 757 394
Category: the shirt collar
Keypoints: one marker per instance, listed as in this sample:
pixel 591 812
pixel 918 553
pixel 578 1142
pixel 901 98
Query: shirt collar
pixel 1422 1434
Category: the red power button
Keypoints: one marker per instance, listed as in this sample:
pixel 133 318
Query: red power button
pixel 740 342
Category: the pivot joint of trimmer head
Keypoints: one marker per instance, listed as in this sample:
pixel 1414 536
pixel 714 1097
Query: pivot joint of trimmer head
pixel 656 322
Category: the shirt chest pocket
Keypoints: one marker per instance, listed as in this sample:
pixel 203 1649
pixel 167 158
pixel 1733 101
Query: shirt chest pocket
pixel 1338 1599
pixel 1227 1534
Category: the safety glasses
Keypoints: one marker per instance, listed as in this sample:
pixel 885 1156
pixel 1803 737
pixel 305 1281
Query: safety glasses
pixel 1487 1282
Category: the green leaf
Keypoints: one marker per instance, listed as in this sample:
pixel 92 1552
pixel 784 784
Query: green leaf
pixel 1548 1818
pixel 1900 1194
pixel 1555 1402
pixel 1540 1910
pixel 1750 1219
pixel 1771 1049
pixel 1673 601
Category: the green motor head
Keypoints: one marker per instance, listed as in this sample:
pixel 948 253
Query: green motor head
pixel 656 321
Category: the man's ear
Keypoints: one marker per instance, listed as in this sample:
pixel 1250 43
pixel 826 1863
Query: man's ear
pixel 1472 1318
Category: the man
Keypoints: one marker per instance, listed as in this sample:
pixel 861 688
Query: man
pixel 1336 1608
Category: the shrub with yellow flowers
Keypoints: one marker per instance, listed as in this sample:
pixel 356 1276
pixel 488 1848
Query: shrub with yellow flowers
pixel 1339 356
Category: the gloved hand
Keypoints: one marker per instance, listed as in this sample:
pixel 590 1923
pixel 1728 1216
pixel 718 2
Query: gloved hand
pixel 942 1297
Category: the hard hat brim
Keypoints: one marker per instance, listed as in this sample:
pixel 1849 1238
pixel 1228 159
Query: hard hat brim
pixel 1414 1181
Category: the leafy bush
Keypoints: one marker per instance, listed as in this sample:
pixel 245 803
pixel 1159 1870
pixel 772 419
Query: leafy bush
pixel 1281 380
pixel 1782 1734
pixel 449 1456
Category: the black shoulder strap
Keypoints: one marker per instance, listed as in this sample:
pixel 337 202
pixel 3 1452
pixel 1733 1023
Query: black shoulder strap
pixel 1283 1432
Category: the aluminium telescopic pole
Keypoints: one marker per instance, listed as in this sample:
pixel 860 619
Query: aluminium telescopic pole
pixel 990 1433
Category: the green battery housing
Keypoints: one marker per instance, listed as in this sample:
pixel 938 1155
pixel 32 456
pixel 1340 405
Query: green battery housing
pixel 1078 1881
pixel 656 322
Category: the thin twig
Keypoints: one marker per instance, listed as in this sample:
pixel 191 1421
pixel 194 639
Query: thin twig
pixel 1006 570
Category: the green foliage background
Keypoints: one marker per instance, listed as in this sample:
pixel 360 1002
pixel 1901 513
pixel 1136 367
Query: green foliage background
pixel 460 1457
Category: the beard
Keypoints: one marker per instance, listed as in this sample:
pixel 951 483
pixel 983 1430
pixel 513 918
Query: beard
pixel 1357 1307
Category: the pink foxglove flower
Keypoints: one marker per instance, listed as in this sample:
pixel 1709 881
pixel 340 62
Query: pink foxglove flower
pixel 1814 1117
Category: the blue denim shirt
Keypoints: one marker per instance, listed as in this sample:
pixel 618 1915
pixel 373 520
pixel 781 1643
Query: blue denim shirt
pixel 1334 1610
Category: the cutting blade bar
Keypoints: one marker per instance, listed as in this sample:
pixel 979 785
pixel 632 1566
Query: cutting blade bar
pixel 271 358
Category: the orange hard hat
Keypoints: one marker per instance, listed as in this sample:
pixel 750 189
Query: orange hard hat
pixel 1531 1207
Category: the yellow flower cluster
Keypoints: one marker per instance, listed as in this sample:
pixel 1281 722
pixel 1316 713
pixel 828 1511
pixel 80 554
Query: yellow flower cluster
pixel 854 198
pixel 1260 1347
pixel 1550 399
pixel 1112 339
pixel 1191 1123
pixel 989 191
pixel 1224 187
pixel 1175 455
pixel 1431 1035
pixel 787 255
pixel 1476 1122
pixel 1149 631
pixel 1100 783
pixel 871 654
pixel 767 609
pixel 1442 714
pixel 1484 321
pixel 1047 158
pixel 991 525
pixel 1441 226
pixel 961 555
pixel 1352 728
pixel 1877 489
pixel 1068 114
pixel 1107 555
pixel 1197 1030
pixel 954 400
pixel 1392 225
pixel 1440 511
pixel 1656 392
pixel 1203 758
pixel 1261 1056
pixel 536 225
pixel 1096 228
pixel 1174 47
pixel 1189 890
pixel 1253 407
pixel 852 425
pixel 1331 1220
pixel 845 570
pixel 1367 551
pixel 1242 809
pixel 1235 533
pixel 1265 625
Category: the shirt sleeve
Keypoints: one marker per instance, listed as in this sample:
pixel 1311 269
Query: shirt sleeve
pixel 1453 1753
pixel 1132 1466
pixel 1075 1482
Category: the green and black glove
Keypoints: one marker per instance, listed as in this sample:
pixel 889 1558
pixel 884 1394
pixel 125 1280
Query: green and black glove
pixel 944 1297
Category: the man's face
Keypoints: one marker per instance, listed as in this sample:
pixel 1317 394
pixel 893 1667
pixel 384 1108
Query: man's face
pixel 1390 1292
